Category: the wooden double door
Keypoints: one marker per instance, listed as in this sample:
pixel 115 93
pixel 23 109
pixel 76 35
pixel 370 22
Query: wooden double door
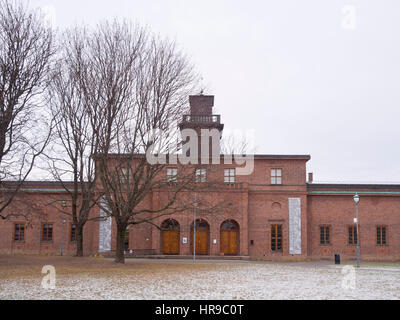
pixel 202 237
pixel 229 242
pixel 230 238
pixel 201 242
pixel 171 242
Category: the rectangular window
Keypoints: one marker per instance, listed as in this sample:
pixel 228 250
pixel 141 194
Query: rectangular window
pixel 352 235
pixel 200 175
pixel 276 176
pixel 124 175
pixel 381 236
pixel 19 232
pixel 229 176
pixel 276 237
pixel 325 235
pixel 73 232
pixel 172 174
pixel 47 232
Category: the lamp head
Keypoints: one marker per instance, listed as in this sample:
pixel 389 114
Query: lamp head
pixel 356 198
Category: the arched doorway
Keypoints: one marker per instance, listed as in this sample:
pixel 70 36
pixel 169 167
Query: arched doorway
pixel 230 238
pixel 202 237
pixel 170 236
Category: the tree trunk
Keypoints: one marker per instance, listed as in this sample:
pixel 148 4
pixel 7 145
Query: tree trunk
pixel 79 241
pixel 119 254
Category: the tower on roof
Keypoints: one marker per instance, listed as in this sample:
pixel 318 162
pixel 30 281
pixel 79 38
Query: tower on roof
pixel 201 117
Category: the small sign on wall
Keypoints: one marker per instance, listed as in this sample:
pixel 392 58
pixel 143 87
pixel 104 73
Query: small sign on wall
pixel 215 241
pixel 184 240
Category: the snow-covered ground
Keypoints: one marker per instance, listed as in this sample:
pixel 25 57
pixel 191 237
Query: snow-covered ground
pixel 250 281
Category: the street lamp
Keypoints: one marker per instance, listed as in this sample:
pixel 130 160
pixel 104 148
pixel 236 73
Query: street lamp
pixel 357 200
pixel 63 204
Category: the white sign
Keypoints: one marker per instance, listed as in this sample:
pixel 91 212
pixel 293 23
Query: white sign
pixel 184 240
pixel 215 241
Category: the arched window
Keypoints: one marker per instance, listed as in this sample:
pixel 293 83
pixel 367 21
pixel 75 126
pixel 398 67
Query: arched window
pixel 201 224
pixel 170 225
pixel 229 225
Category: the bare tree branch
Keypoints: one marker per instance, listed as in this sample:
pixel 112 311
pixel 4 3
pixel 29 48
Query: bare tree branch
pixel 26 51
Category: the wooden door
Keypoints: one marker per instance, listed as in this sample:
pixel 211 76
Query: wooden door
pixel 229 242
pixel 171 242
pixel 201 242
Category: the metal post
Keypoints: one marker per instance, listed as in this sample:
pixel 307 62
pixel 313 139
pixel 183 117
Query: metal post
pixel 62 229
pixel 194 228
pixel 358 239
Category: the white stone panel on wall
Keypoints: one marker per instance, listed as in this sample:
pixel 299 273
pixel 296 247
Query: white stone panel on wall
pixel 104 233
pixel 294 226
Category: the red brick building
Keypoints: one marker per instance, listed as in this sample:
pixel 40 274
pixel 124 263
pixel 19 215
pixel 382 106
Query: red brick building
pixel 275 213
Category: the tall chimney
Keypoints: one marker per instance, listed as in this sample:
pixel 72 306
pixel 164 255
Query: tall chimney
pixel 310 177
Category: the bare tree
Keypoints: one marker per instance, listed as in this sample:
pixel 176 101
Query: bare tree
pixel 75 139
pixel 111 88
pixel 26 50
pixel 144 83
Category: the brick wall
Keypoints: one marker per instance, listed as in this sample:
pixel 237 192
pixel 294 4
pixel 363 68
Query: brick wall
pixel 252 202
pixel 338 211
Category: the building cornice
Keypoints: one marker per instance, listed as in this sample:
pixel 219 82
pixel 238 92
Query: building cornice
pixel 352 189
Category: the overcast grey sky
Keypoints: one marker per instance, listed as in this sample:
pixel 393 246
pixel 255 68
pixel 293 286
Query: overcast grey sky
pixel 310 77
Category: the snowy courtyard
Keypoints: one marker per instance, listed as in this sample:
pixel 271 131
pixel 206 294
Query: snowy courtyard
pixel 91 278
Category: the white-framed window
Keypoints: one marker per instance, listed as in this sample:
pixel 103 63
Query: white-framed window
pixel 276 176
pixel 201 175
pixel 124 175
pixel 229 175
pixel 172 174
